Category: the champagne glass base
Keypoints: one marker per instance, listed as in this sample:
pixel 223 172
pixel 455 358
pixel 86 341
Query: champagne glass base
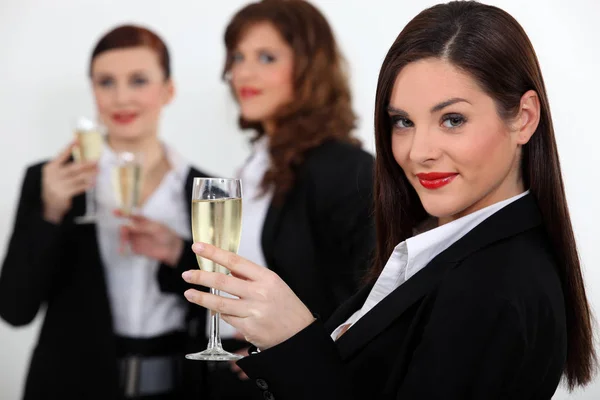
pixel 214 354
pixel 86 219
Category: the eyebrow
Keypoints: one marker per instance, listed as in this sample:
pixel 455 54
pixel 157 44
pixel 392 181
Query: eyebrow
pixel 436 108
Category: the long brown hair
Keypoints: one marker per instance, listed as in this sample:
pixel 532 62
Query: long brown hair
pixel 126 36
pixel 322 108
pixel 491 46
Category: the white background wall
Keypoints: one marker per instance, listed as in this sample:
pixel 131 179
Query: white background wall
pixel 44 49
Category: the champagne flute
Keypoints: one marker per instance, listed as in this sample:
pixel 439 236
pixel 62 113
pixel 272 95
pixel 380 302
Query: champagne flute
pixel 90 142
pixel 217 220
pixel 126 178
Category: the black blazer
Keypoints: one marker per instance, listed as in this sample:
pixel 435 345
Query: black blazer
pixel 321 238
pixel 484 320
pixel 59 266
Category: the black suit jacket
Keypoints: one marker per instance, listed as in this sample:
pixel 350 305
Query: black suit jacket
pixel 485 319
pixel 59 266
pixel 321 238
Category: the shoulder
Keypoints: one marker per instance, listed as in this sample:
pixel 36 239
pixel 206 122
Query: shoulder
pixel 334 152
pixel 339 162
pixel 520 270
pixel 33 172
pixel 196 173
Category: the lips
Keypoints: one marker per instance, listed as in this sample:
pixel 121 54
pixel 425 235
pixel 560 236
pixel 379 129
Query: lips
pixel 124 117
pixel 436 180
pixel 249 92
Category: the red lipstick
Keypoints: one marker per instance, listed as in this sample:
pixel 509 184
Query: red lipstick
pixel 124 118
pixel 435 180
pixel 248 92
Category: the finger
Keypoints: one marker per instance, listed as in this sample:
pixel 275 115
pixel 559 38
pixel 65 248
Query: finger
pixel 124 239
pixel 223 305
pixel 140 224
pixel 73 170
pixel 78 187
pixel 242 376
pixel 236 322
pixel 234 367
pixel 217 280
pixel 65 154
pixel 237 265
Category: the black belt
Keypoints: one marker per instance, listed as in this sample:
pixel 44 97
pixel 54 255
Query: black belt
pixel 150 366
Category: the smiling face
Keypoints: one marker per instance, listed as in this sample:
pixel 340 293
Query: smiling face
pixel 130 90
pixel 449 140
pixel 261 72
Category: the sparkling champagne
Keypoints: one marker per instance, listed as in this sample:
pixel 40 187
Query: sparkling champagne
pixel 89 147
pixel 217 222
pixel 127 186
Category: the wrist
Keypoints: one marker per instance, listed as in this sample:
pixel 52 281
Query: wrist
pixel 174 255
pixel 52 215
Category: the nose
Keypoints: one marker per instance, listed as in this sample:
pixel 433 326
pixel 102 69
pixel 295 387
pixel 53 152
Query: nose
pixel 243 71
pixel 122 94
pixel 424 146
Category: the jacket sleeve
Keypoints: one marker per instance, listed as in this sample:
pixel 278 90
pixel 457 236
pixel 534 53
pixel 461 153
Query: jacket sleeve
pixel 32 262
pixel 473 347
pixel 306 366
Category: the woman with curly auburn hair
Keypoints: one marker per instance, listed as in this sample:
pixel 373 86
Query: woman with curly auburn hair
pixel 308 184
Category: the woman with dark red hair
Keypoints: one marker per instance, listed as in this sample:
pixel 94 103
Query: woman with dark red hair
pixel 127 339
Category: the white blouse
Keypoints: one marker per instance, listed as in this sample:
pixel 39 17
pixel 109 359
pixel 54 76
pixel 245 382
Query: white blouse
pixel 139 308
pixel 412 255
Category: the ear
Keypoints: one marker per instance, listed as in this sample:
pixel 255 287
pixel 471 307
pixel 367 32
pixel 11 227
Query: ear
pixel 169 91
pixel 528 117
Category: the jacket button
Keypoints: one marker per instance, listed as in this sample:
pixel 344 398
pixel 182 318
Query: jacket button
pixel 262 384
pixel 268 396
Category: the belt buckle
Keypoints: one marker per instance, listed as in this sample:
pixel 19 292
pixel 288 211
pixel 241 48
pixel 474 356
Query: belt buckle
pixel 132 376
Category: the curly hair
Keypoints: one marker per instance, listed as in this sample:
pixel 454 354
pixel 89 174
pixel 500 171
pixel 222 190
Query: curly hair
pixel 321 109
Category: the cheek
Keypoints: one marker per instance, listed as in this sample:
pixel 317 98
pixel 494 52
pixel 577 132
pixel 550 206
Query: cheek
pixel 151 98
pixel 282 80
pixel 483 154
pixel 400 149
pixel 103 101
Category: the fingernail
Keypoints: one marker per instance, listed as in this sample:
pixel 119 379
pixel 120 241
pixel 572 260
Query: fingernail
pixel 198 247
pixel 188 295
pixel 187 275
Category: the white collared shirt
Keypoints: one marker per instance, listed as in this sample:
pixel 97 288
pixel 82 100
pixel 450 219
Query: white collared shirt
pixel 413 254
pixel 139 308
pixel 255 208
pixel 256 204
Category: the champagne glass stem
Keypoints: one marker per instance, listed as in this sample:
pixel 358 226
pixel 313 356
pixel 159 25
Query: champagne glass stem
pixel 215 336
pixel 90 201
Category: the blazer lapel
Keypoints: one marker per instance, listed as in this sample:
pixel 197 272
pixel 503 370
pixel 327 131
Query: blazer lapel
pixel 511 220
pixel 392 307
pixel 349 307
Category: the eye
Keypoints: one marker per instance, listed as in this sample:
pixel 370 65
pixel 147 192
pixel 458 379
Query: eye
pixel 266 58
pixel 453 120
pixel 105 82
pixel 237 57
pixel 399 122
pixel 138 81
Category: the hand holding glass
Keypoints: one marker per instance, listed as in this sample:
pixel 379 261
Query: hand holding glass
pixel 217 220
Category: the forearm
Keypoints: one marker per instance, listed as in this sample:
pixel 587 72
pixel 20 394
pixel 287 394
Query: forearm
pixel 30 267
pixel 306 366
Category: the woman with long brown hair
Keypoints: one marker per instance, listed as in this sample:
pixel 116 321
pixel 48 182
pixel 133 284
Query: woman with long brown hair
pixel 127 339
pixel 308 184
pixel 476 290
